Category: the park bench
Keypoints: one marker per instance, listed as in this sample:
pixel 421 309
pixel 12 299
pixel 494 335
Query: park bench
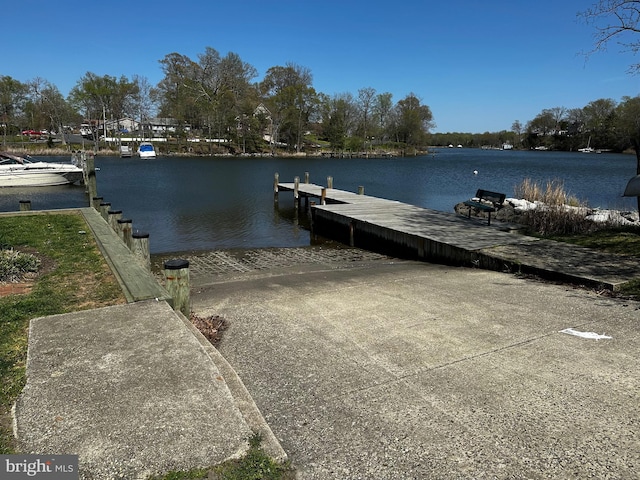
pixel 486 201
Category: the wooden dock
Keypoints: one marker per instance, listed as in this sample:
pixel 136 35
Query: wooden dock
pixel 408 231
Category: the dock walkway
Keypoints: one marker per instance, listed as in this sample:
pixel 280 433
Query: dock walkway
pixel 389 226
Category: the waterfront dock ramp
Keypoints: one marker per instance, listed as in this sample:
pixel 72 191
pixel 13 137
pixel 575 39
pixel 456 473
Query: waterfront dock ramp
pixel 408 231
pixel 343 378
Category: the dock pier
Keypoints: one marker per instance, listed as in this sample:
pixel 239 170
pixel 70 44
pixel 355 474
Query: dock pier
pixel 408 231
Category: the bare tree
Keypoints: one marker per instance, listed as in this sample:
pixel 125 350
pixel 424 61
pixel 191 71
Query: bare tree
pixel 366 97
pixel 615 20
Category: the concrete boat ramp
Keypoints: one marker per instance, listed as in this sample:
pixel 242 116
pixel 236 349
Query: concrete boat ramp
pixel 409 231
pixel 135 390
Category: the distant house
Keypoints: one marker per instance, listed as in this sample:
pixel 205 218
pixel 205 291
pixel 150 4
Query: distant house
pixel 268 132
pixel 122 125
pixel 162 126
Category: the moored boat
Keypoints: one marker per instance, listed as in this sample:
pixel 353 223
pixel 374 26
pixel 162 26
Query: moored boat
pixel 146 150
pixel 17 171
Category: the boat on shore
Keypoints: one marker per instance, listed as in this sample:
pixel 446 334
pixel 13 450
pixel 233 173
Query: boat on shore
pixel 146 150
pixel 17 171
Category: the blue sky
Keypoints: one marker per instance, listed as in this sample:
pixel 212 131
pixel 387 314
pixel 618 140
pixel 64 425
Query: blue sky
pixel 478 65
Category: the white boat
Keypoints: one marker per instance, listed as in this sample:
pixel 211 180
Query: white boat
pixel 16 171
pixel 146 150
pixel 588 148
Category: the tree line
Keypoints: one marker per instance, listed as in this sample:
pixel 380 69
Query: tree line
pixel 603 124
pixel 216 96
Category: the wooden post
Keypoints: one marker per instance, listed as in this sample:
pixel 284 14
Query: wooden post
pixel 360 190
pixel 276 180
pixel 104 210
pixel 329 182
pixel 176 276
pixel 140 247
pixel 124 231
pixel 323 197
pixel 296 193
pixel 114 216
pixel 96 201
pixel 352 230
pixel 306 178
pixel 90 174
pixel 25 205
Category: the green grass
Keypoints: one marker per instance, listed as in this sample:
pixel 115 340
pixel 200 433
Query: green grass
pixel 255 465
pixel 621 241
pixel 73 276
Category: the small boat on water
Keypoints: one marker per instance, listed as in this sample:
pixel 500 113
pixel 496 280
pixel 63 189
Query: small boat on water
pixel 588 148
pixel 17 171
pixel 146 150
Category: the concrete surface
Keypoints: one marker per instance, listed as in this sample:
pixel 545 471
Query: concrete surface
pixel 133 391
pixel 364 367
pixel 401 370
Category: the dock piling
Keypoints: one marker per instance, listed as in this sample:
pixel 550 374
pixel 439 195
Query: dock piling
pixel 113 217
pixel 176 275
pixel 96 201
pixel 124 231
pixel 104 210
pixel 25 205
pixel 276 181
pixel 89 167
pixel 140 246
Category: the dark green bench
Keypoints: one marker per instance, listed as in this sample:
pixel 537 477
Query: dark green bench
pixel 486 201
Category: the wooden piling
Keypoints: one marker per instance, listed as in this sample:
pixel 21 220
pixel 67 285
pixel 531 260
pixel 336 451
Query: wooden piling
pixel 323 196
pixel 140 247
pixel 360 190
pixel 329 182
pixel 96 201
pixel 276 180
pixel 89 167
pixel 104 210
pixel 306 178
pixel 25 205
pixel 352 230
pixel 113 217
pixel 296 192
pixel 124 231
pixel 176 275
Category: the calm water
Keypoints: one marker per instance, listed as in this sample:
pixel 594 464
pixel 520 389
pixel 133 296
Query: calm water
pixel 210 203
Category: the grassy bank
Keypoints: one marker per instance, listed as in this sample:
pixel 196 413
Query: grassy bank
pixel 64 271
pixel 618 240
pixel 72 276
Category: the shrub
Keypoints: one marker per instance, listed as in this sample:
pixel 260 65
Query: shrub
pixel 13 265
pixel 558 213
pixel 558 220
pixel 553 194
